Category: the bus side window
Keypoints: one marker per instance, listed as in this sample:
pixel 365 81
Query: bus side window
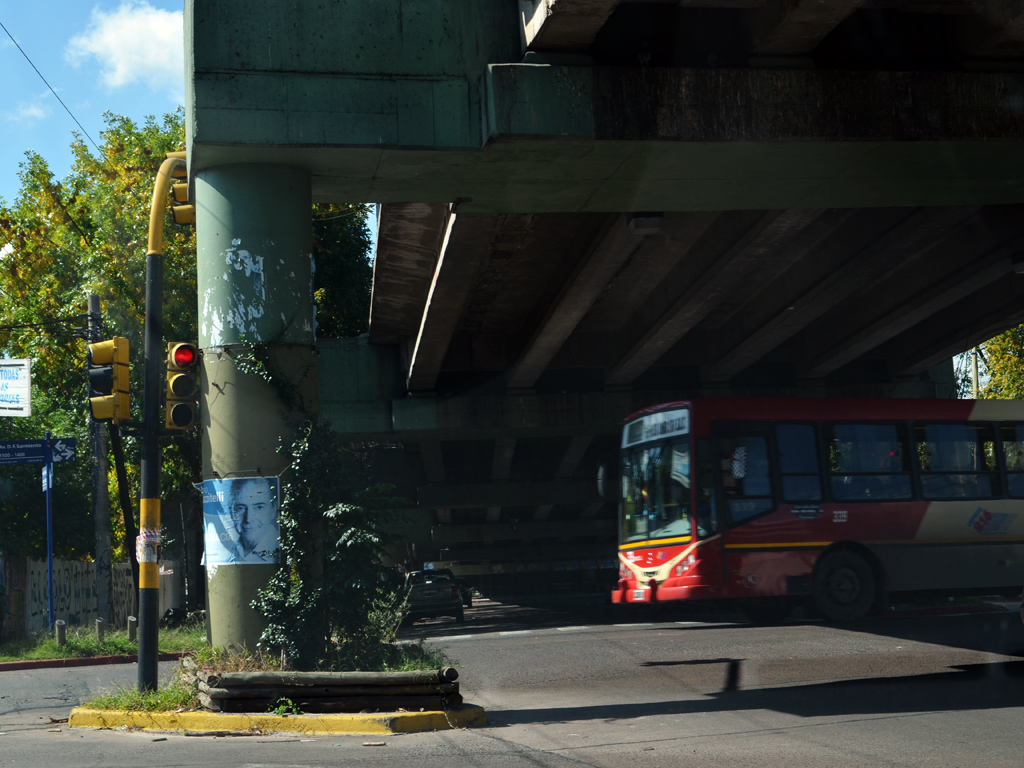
pixel 798 462
pixel 868 462
pixel 746 476
pixel 956 461
pixel 707 514
pixel 1012 437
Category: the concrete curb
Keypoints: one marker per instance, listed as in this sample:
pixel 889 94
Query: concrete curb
pixel 87 661
pixel 214 723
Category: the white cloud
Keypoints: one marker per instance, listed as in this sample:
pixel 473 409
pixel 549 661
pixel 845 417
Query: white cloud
pixel 32 110
pixel 135 43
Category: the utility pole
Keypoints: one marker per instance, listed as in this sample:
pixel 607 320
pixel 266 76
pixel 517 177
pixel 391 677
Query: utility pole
pixel 100 490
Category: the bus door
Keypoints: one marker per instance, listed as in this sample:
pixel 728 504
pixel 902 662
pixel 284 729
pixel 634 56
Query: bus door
pixel 743 487
pixel 707 495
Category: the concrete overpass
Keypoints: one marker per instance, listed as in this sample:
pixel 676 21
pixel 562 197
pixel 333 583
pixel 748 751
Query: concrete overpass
pixel 589 206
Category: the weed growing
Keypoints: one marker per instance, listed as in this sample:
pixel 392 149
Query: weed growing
pixel 82 643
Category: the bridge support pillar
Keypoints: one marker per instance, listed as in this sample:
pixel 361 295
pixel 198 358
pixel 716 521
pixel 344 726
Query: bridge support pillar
pixel 258 377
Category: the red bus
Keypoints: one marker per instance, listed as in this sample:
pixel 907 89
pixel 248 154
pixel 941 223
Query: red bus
pixel 840 503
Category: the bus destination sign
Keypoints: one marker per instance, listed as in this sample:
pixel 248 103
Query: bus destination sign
pixel 656 426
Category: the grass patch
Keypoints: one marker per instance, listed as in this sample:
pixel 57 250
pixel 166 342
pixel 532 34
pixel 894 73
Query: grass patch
pixel 177 696
pixel 82 643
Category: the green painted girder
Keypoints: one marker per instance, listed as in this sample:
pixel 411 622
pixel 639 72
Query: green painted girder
pixel 541 138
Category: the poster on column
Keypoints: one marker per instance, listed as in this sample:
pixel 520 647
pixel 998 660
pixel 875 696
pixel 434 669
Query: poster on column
pixel 240 520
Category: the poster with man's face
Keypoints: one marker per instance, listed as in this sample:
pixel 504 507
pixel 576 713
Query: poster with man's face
pixel 240 520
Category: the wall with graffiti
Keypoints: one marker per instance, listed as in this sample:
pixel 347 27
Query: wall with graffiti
pixel 24 600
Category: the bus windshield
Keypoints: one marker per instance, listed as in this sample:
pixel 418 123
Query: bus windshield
pixel 655 491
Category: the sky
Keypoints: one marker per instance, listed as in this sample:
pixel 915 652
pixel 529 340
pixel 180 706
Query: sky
pixel 122 56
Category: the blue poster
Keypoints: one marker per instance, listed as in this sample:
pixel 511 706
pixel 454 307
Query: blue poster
pixel 240 520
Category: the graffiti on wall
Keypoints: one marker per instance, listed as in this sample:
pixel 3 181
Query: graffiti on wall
pixel 74 594
pixel 12 602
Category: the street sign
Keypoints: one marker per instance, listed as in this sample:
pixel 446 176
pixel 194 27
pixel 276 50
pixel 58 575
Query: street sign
pixel 34 451
pixel 16 387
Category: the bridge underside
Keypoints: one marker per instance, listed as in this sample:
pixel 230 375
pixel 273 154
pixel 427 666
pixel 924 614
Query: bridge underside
pixel 591 205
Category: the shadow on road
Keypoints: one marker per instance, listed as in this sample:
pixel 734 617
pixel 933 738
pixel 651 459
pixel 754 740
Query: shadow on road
pixel 963 688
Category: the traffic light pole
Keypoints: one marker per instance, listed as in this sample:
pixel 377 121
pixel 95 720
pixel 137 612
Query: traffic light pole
pixel 149 504
pixel 100 492
pixel 148 542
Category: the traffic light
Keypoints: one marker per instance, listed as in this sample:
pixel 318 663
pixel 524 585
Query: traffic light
pixel 184 212
pixel 109 380
pixel 182 385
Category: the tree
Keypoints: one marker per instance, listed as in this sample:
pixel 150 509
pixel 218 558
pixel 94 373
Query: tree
pixel 61 240
pixel 344 273
pixel 1004 360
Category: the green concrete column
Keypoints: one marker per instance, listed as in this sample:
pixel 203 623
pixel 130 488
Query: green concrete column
pixel 256 314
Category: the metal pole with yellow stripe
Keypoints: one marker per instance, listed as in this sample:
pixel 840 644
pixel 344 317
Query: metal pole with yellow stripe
pixel 148 544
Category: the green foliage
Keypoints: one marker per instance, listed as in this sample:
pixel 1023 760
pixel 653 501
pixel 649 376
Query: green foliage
pixel 180 695
pixel 344 273
pixel 61 240
pixel 284 707
pixel 22 502
pixel 1004 358
pixel 332 605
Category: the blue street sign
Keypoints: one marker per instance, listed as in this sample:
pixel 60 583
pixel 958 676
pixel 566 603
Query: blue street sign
pixel 34 451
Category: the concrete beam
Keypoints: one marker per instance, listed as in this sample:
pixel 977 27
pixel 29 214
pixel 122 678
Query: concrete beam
pixel 476 418
pixel 919 232
pixel 598 547
pixel 509 494
pixel 920 308
pixel 547 529
pixel 760 286
pixel 504 451
pixel 563 26
pixel 613 246
pixel 463 254
pixel 610 139
pixel 409 238
pixel 708 290
pixel 501 468
pixel 1002 34
pixel 646 271
pixel 972 321
pixel 433 461
pixel 566 468
pixel 795 27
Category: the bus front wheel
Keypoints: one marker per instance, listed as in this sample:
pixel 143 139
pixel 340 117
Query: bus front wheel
pixel 844 586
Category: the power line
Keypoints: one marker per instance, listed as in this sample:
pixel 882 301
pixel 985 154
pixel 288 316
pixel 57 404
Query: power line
pixel 66 109
pixel 43 323
pixel 102 158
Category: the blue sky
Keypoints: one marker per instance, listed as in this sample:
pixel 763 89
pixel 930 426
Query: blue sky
pixel 120 56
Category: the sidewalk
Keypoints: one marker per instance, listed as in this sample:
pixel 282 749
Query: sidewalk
pixel 86 661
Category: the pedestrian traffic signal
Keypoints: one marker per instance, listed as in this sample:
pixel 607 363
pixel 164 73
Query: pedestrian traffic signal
pixel 182 385
pixel 109 380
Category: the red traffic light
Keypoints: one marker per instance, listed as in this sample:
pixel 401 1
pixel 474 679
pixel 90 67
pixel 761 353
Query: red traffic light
pixel 183 356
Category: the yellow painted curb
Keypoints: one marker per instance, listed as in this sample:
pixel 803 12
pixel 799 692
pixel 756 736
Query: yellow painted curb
pixel 212 722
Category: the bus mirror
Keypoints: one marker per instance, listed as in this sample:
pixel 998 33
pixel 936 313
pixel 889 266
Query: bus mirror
pixel 602 474
pixel 738 468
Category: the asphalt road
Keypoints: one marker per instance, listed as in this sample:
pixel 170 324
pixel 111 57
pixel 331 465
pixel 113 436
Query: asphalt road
pixel 589 688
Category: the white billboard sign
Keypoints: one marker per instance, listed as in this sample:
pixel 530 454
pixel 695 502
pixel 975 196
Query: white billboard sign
pixel 16 387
